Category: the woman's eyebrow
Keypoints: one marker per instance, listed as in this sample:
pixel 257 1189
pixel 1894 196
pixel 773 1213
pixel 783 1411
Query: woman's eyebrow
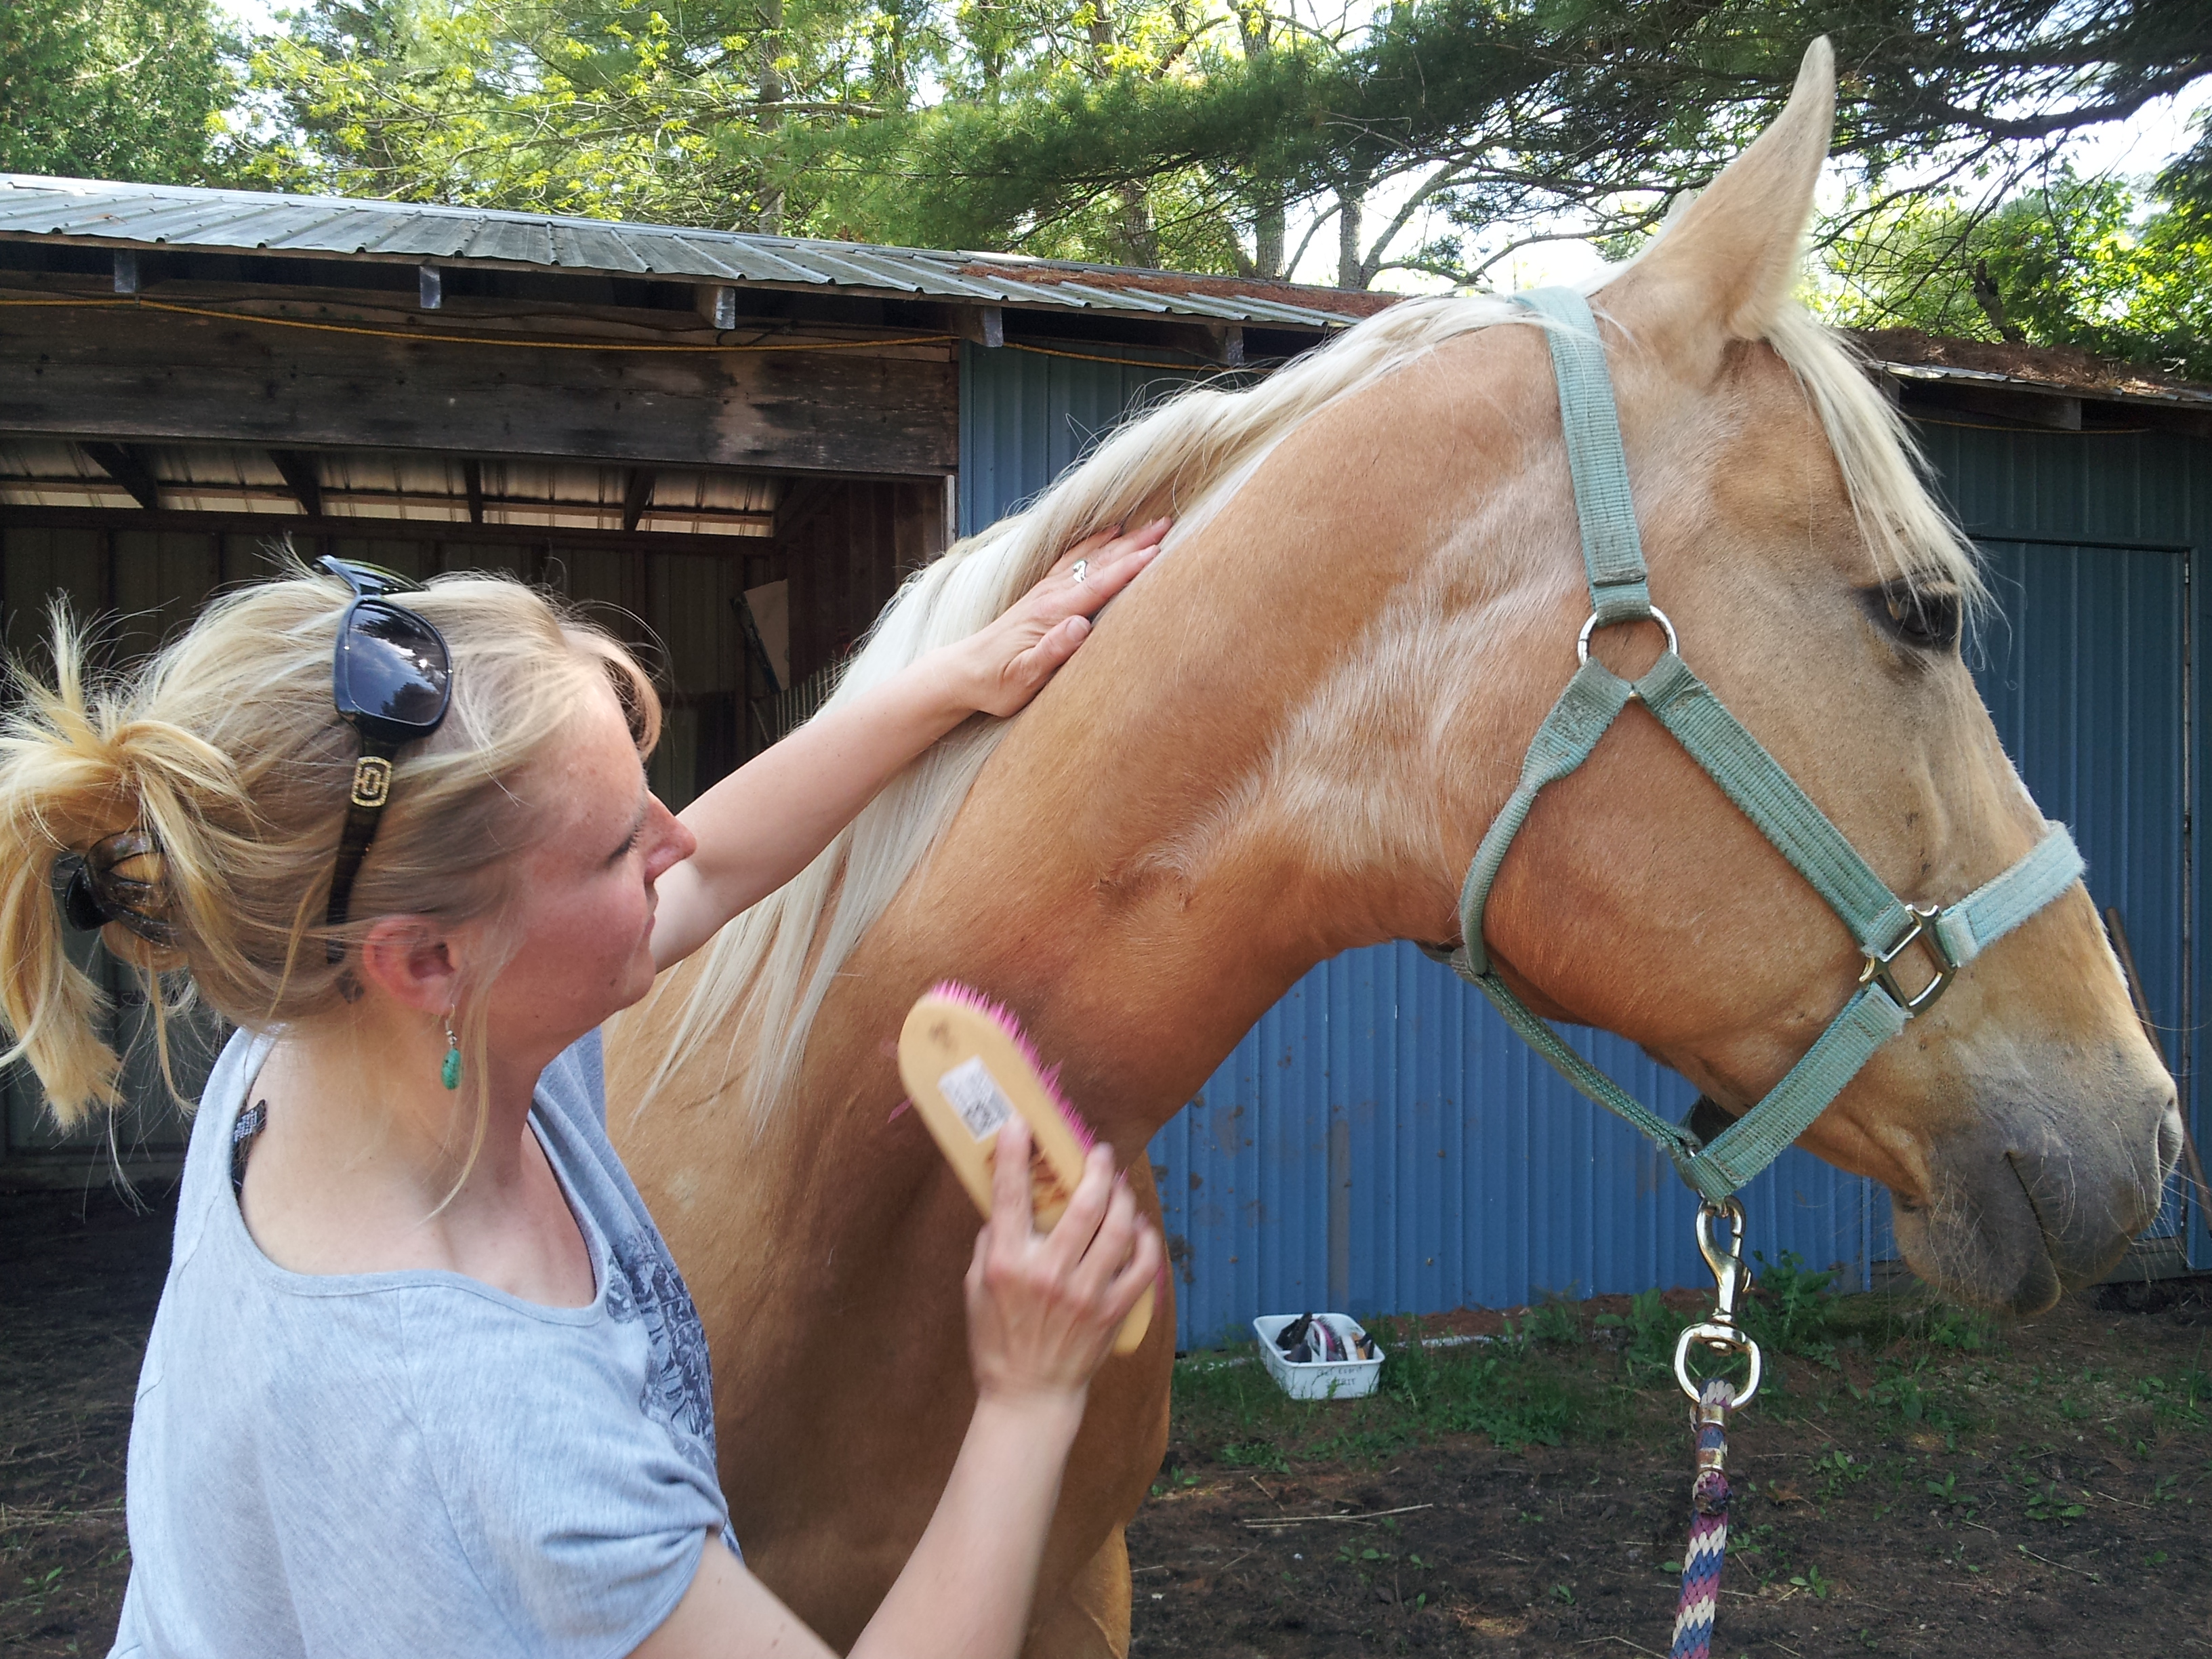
pixel 637 823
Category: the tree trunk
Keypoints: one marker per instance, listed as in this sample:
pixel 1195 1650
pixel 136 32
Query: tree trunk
pixel 1351 269
pixel 1140 236
pixel 769 220
pixel 1257 31
pixel 1268 241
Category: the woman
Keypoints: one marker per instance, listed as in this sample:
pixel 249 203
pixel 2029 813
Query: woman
pixel 423 1379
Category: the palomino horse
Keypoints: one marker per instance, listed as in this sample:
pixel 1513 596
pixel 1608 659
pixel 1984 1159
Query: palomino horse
pixel 1284 741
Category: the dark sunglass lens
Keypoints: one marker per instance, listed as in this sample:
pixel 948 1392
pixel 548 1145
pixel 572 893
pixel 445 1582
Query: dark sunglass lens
pixel 393 667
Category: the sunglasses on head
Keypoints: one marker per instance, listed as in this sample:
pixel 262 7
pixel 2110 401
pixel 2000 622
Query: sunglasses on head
pixel 391 680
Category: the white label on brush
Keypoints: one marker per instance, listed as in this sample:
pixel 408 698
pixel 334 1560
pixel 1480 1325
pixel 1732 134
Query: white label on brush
pixel 975 1094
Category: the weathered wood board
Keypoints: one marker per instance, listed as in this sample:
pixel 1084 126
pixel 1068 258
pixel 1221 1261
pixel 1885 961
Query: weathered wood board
pixel 154 375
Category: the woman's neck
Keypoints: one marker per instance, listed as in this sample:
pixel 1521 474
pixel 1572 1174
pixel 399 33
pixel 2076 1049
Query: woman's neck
pixel 369 1163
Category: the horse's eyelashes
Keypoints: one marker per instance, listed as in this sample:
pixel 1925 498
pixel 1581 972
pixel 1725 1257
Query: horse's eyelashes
pixel 1926 618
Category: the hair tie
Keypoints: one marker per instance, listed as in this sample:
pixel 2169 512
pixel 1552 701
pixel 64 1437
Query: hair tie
pixel 100 891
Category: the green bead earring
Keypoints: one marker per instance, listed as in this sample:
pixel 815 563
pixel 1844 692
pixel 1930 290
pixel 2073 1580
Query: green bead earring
pixel 450 1072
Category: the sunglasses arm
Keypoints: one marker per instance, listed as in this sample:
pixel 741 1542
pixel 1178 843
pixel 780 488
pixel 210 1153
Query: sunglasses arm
pixel 372 788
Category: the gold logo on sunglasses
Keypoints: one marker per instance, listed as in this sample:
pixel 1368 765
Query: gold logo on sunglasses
pixel 372 781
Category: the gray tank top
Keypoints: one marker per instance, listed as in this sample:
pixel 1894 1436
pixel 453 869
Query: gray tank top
pixel 414 1464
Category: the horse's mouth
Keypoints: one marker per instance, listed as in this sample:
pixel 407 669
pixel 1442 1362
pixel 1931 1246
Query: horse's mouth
pixel 2014 1227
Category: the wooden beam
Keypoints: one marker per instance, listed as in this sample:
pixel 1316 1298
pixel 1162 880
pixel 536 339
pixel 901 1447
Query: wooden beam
pixel 472 483
pixel 2052 411
pixel 637 495
pixel 301 477
pixel 132 376
pixel 277 526
pixel 985 325
pixel 717 303
pixel 128 465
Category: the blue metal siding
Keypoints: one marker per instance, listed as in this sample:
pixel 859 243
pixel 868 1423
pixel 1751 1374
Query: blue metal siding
pixel 1463 1171
pixel 1468 1173
pixel 1025 416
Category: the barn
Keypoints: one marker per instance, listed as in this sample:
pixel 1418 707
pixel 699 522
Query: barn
pixel 738 444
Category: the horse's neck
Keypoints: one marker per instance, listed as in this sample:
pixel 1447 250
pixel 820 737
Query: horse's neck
pixel 1244 773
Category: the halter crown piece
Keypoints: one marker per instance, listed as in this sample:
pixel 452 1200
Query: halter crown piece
pixel 1883 925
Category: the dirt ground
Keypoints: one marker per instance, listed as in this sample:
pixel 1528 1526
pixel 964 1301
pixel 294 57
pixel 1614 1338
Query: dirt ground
pixel 2044 1489
pixel 1919 1483
pixel 80 1273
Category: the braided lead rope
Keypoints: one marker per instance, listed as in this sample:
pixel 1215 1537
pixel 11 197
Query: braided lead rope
pixel 1709 1522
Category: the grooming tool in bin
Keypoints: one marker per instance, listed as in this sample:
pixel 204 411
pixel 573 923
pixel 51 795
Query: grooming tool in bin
pixel 1319 1356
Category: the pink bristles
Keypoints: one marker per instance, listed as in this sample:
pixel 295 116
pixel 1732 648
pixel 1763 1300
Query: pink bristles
pixel 1000 1014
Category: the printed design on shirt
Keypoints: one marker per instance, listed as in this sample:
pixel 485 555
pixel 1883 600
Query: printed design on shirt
pixel 643 1284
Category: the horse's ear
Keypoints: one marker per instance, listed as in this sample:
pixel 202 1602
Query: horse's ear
pixel 1725 265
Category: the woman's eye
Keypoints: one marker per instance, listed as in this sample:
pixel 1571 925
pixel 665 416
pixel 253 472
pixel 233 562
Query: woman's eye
pixel 1925 618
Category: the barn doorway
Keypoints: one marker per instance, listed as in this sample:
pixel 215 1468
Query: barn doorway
pixel 744 591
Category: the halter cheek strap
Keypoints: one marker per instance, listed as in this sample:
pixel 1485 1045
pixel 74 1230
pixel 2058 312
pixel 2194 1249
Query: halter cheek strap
pixel 1883 925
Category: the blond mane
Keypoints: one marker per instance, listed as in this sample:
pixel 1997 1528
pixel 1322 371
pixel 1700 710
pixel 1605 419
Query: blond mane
pixel 769 970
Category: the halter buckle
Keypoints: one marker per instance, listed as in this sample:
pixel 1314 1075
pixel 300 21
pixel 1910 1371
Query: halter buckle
pixel 1880 971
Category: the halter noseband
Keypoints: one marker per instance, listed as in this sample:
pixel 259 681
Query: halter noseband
pixel 1883 925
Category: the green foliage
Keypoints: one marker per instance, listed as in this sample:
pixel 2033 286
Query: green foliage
pixel 1648 1334
pixel 1508 1394
pixel 1791 1309
pixel 1181 132
pixel 114 88
pixel 2089 263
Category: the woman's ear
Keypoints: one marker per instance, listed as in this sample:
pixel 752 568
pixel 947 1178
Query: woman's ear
pixel 412 961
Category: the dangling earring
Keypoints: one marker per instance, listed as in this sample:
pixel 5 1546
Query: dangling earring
pixel 450 1072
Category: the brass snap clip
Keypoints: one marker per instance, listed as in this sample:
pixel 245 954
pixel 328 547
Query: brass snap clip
pixel 1721 1334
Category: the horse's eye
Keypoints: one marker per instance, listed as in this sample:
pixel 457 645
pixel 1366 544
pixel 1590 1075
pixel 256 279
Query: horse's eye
pixel 1926 618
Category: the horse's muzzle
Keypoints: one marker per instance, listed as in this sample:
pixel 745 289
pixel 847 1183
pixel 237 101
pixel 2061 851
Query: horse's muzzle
pixel 2033 1202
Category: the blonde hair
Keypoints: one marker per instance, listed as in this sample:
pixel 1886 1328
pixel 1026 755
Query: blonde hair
pixel 226 750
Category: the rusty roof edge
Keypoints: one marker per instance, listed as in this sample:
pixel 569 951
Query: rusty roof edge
pixel 2174 397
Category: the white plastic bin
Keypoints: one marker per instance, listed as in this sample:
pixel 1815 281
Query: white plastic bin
pixel 1350 1379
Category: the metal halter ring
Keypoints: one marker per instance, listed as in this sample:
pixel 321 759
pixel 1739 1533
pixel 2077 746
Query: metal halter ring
pixel 1582 639
pixel 1719 1339
pixel 1879 969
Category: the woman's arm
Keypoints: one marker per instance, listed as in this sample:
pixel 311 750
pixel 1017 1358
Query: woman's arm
pixel 1042 1313
pixel 765 823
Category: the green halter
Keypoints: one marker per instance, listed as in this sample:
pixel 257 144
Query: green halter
pixel 1884 925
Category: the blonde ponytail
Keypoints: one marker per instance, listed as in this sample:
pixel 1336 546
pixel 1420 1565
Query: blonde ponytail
pixel 198 802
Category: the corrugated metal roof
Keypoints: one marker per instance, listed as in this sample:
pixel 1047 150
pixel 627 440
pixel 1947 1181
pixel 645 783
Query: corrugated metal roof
pixel 236 220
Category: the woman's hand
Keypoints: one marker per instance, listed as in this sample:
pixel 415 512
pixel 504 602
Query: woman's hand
pixel 1001 666
pixel 1043 1308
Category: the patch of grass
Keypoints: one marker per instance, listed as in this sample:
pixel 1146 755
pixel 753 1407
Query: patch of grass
pixel 1648 1333
pixel 1792 1309
pixel 1902 1379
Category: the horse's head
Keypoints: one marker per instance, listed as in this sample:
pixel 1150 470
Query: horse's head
pixel 2024 1123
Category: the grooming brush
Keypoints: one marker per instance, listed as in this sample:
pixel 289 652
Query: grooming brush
pixel 968 1068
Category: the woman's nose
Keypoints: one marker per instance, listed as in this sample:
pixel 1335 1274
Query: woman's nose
pixel 673 842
